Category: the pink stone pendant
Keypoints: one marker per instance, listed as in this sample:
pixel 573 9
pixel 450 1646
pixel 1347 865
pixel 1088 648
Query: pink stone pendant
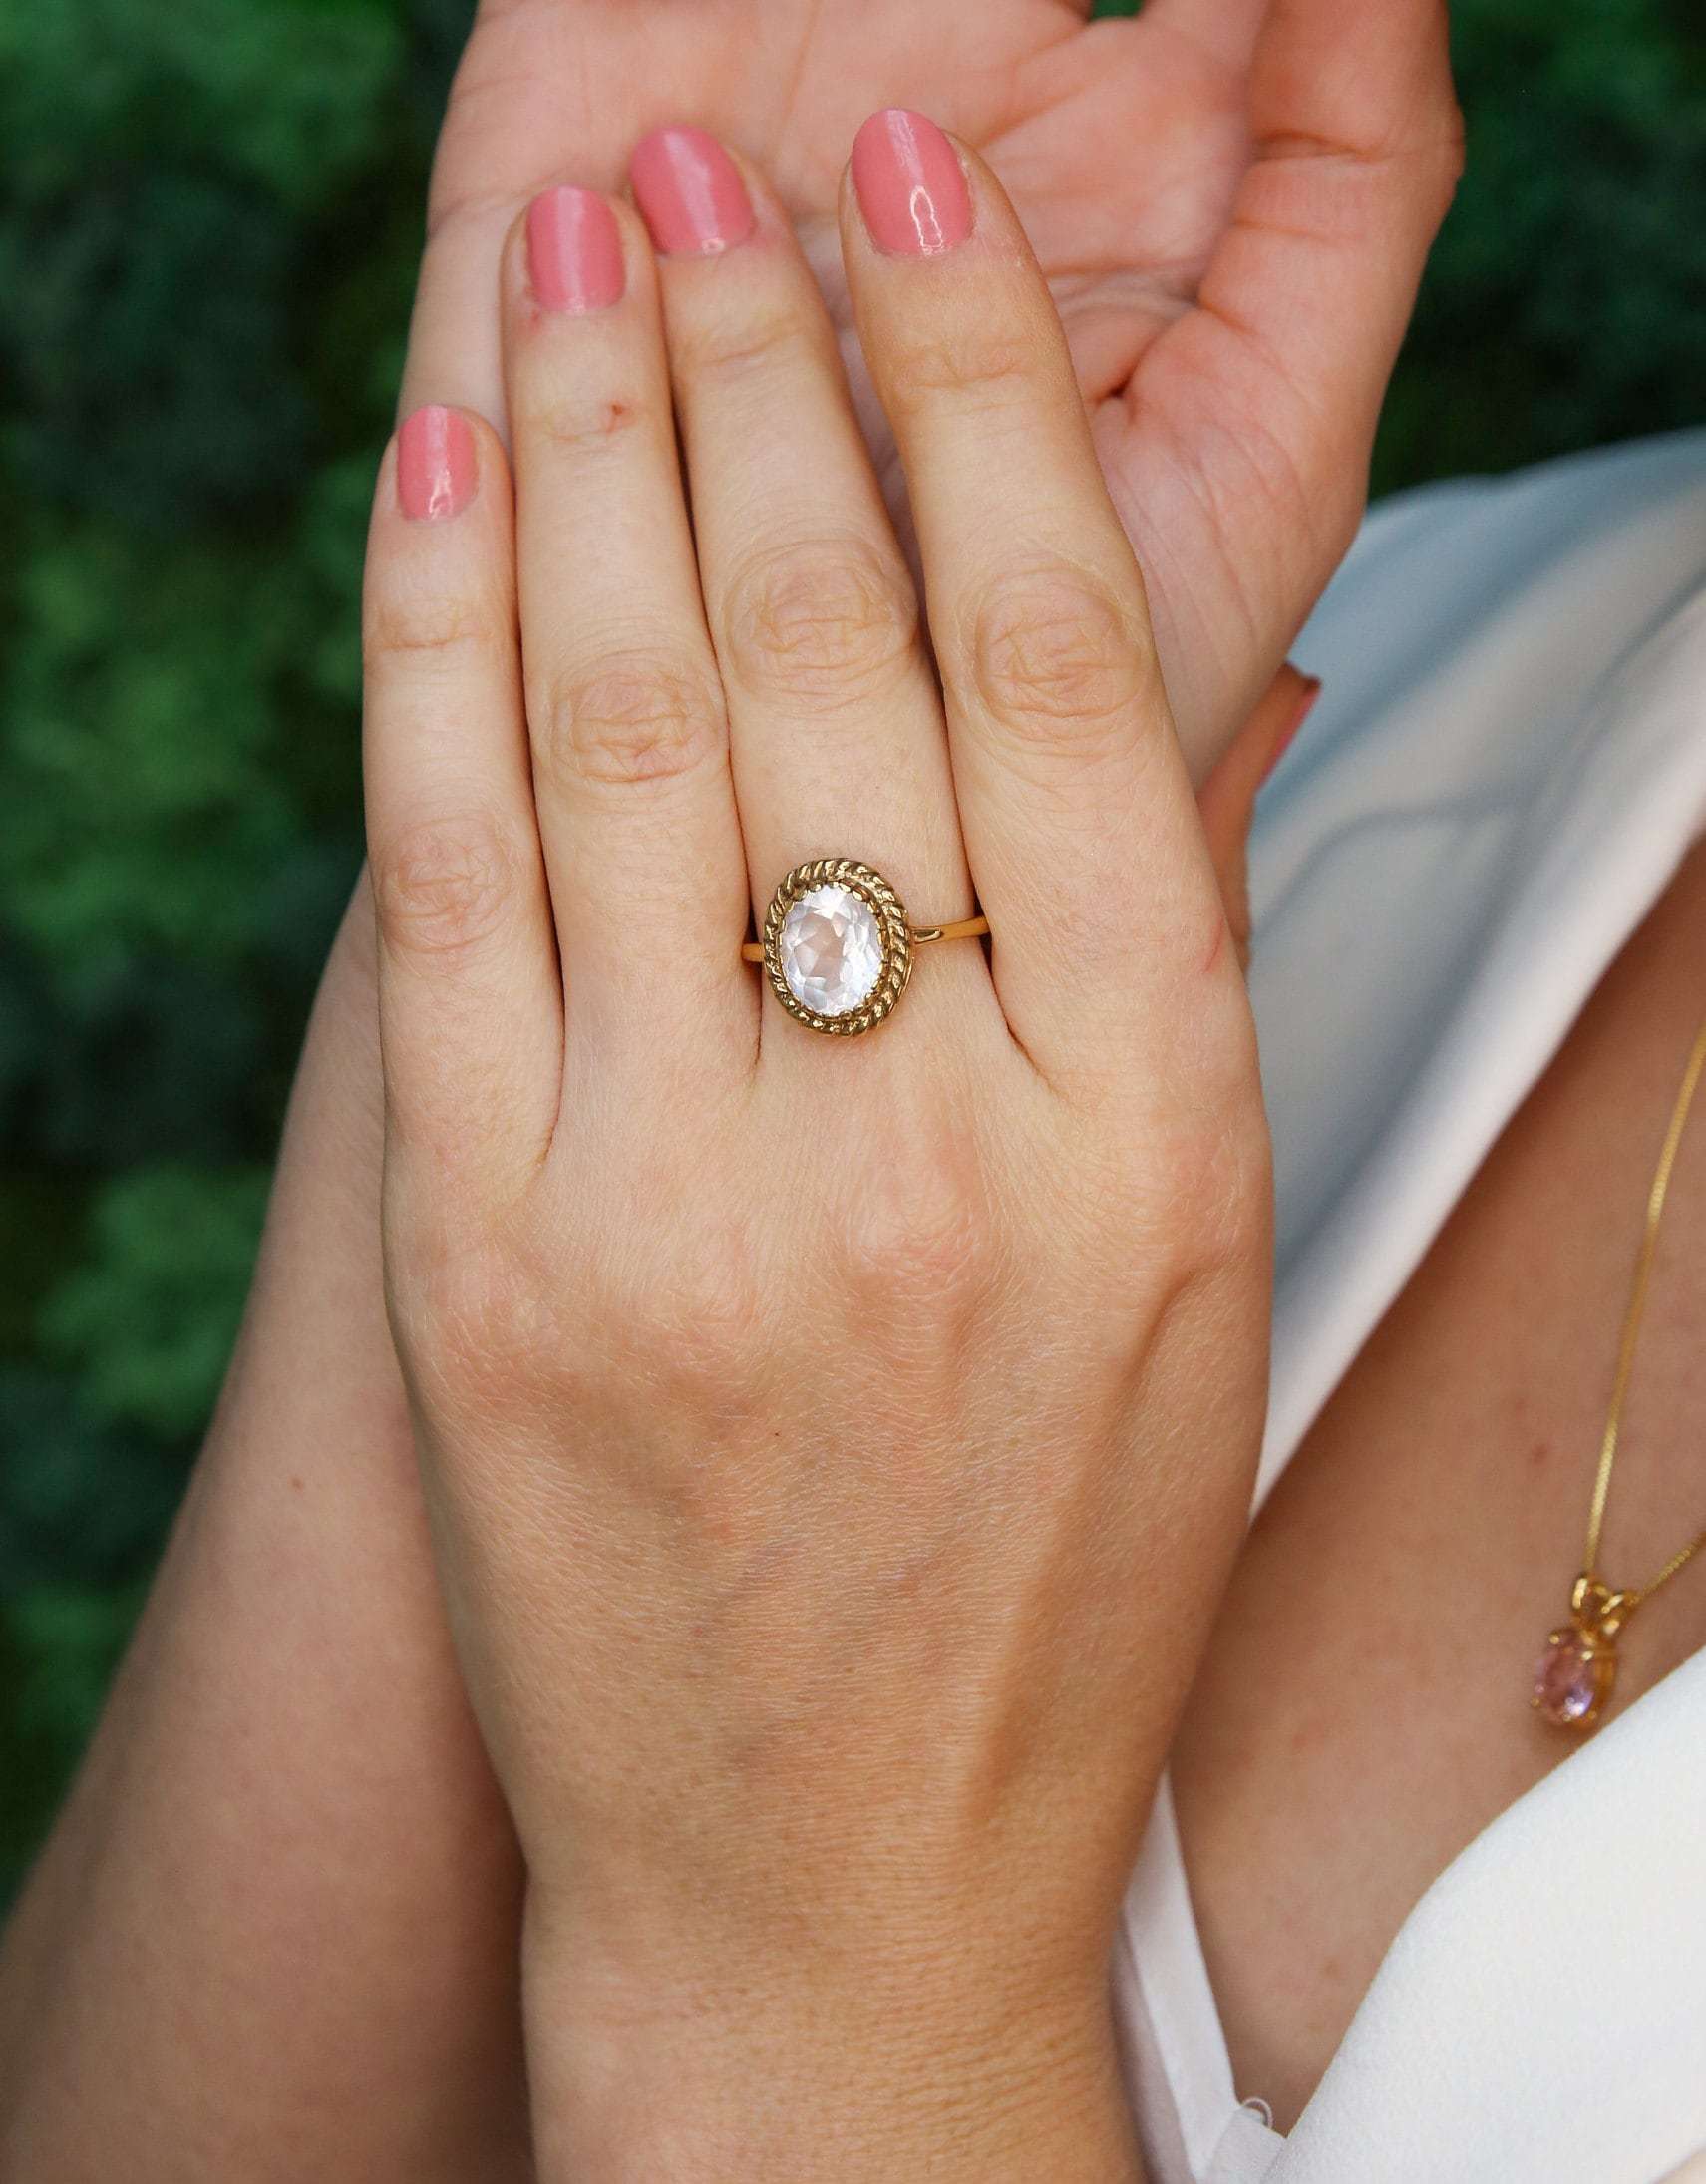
pixel 1573 1676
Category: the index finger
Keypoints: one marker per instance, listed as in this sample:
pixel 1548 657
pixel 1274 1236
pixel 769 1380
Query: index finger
pixel 1078 814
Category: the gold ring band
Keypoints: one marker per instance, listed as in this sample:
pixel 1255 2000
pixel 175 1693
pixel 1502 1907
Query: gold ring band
pixel 838 947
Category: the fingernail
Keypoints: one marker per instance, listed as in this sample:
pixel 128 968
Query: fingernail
pixel 1305 706
pixel 437 466
pixel 912 187
pixel 574 251
pixel 690 192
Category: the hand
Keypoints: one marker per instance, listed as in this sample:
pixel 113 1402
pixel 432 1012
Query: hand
pixel 836 1448
pixel 1232 200
pixel 1065 123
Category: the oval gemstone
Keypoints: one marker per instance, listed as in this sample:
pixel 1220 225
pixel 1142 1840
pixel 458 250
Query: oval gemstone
pixel 830 947
pixel 1567 1679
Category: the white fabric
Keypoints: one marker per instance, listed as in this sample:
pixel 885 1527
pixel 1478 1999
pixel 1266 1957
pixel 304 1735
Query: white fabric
pixel 1507 763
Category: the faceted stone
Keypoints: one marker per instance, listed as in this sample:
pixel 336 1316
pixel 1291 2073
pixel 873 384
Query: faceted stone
pixel 831 950
pixel 1569 1679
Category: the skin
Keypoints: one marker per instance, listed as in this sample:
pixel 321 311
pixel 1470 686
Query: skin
pixel 1231 199
pixel 788 1463
pixel 1315 1807
pixel 356 2014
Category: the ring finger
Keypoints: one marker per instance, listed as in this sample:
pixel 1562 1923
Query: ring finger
pixel 1079 818
pixel 837 743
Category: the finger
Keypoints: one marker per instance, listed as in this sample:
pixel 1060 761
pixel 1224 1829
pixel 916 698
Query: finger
pixel 1358 147
pixel 1078 816
pixel 524 85
pixel 470 1017
pixel 454 353
pixel 637 809
pixel 1357 144
pixel 836 726
pixel 1226 29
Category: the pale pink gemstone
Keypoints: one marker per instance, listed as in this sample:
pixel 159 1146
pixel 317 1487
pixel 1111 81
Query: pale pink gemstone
pixel 831 950
pixel 1566 1680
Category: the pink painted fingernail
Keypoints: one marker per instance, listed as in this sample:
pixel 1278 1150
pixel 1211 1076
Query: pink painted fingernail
pixel 690 192
pixel 437 465
pixel 912 187
pixel 1305 706
pixel 574 251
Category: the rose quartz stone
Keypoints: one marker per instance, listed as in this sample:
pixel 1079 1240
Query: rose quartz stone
pixel 1567 1680
pixel 831 950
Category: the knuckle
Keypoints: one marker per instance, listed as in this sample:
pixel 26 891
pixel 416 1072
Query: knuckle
pixel 928 1250
pixel 824 619
pixel 921 1250
pixel 684 1315
pixel 441 886
pixel 417 629
pixel 629 722
pixel 984 370
pixel 1052 652
pixel 703 1337
pixel 583 426
pixel 752 341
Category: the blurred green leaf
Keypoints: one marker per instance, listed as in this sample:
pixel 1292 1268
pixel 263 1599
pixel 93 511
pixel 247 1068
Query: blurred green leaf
pixel 147 1324
pixel 86 1501
pixel 281 92
pixel 1566 303
pixel 145 806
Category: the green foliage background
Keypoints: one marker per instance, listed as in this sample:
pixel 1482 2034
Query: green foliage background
pixel 208 222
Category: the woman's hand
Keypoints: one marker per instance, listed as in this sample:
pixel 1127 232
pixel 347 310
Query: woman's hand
pixel 1232 200
pixel 835 1446
pixel 296 1622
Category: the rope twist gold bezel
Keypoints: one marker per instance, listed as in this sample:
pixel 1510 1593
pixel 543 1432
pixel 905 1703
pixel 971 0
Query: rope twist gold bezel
pixel 896 936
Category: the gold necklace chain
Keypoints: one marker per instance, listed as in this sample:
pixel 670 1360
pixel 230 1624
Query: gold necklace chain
pixel 1577 1671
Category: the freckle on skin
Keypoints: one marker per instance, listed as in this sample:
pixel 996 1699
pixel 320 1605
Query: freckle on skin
pixel 1539 1454
pixel 295 1485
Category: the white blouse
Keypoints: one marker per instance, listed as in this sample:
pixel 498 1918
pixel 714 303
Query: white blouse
pixel 1507 766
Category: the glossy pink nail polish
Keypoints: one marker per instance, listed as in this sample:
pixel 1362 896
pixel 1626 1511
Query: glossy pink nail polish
pixel 690 192
pixel 911 186
pixel 1305 706
pixel 437 465
pixel 574 251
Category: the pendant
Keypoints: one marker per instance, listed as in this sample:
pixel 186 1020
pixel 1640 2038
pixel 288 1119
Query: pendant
pixel 1574 1676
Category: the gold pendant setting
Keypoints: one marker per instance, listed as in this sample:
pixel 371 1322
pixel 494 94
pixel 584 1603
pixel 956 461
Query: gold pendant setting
pixel 1574 1676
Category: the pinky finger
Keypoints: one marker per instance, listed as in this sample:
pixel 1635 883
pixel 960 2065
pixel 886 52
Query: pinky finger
pixel 470 1001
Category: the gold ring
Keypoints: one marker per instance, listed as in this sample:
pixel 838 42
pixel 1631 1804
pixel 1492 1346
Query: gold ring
pixel 836 946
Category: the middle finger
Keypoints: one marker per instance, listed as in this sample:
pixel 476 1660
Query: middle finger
pixel 836 738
